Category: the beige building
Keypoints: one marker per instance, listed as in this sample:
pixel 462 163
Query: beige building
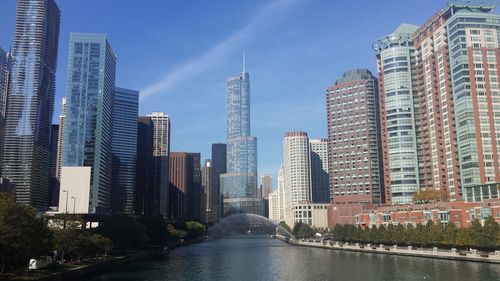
pixel 74 195
pixel 315 215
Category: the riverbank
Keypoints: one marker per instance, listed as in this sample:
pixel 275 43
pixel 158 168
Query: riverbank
pixel 453 254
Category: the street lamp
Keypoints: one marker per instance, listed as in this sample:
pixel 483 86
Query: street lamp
pixel 74 203
pixel 66 200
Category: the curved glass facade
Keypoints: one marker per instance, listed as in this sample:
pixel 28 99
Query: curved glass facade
pixel 399 109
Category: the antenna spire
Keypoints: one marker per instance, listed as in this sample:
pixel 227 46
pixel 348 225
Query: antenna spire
pixel 244 62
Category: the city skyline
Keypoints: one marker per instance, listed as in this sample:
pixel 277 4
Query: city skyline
pixel 317 60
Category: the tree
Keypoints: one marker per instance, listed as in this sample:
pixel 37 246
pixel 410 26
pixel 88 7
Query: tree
pixel 305 231
pixel 23 234
pixel 285 226
pixel 124 232
pixel 194 229
pixel 296 228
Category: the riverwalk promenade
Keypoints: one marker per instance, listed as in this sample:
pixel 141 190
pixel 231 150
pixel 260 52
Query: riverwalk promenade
pixel 453 254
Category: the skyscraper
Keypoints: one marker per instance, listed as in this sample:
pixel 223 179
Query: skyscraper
pixel 179 184
pixel 401 145
pixel 320 182
pixel 218 168
pixel 296 172
pixel 89 113
pixel 239 183
pixel 61 139
pixel 124 149
pixel 266 185
pixel 146 195
pixel 194 190
pixel 4 86
pixel 31 100
pixel 53 181
pixel 161 151
pixel 207 188
pixel 354 137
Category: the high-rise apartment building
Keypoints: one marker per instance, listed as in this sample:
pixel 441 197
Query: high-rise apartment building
pixel 239 183
pixel 194 191
pixel 266 185
pixel 124 149
pixel 353 134
pixel 296 171
pixel 218 168
pixel 206 190
pixel 473 32
pixel 320 182
pixel 147 196
pixel 161 150
pixel 31 100
pixel 399 112
pixel 89 112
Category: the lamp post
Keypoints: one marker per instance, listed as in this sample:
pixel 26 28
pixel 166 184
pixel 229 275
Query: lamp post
pixel 66 200
pixel 74 203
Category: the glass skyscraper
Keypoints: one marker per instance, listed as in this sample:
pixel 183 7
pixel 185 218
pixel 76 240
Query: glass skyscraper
pixel 31 100
pixel 124 148
pixel 89 113
pixel 239 183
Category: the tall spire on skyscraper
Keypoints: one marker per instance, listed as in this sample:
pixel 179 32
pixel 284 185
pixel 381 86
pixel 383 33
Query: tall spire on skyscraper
pixel 244 62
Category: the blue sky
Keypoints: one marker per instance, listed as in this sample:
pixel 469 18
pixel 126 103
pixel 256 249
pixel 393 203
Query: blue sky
pixel 179 54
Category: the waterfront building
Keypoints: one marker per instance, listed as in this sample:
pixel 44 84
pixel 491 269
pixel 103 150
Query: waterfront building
pixel 147 195
pixel 178 177
pixel 400 137
pixel 31 100
pixel 266 185
pixel 194 190
pixel 124 149
pixel 296 171
pixel 353 135
pixel 274 207
pixel 89 113
pixel 320 182
pixel 218 168
pixel 206 192
pixel 161 150
pixel 313 214
pixel 239 183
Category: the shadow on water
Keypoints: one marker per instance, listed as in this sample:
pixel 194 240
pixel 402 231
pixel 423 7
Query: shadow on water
pixel 238 224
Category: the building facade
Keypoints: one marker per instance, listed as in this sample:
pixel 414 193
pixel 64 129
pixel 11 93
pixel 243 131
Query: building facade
pixel 266 185
pixel 4 91
pixel 161 150
pixel 354 138
pixel 147 196
pixel 124 149
pixel 206 192
pixel 320 181
pixel 296 172
pixel 60 140
pixel 53 199
pixel 239 183
pixel 401 145
pixel 194 190
pixel 31 100
pixel 218 168
pixel 89 112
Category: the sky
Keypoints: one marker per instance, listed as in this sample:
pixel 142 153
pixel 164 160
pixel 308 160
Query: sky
pixel 179 53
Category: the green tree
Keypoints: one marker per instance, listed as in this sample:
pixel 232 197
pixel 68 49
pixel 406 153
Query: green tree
pixel 195 229
pixel 305 231
pixel 23 235
pixel 449 236
pixel 285 226
pixel 124 232
pixel 296 228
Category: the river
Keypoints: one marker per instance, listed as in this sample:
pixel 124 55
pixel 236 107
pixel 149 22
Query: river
pixel 268 259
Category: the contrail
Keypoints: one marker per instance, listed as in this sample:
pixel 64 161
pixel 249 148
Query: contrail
pixel 269 13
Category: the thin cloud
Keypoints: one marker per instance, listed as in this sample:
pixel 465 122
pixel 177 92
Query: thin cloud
pixel 272 12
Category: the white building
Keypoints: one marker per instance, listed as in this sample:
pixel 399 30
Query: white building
pixel 274 207
pixel 74 195
pixel 315 215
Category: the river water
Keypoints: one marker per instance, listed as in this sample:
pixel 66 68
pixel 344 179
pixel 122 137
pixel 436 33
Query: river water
pixel 269 259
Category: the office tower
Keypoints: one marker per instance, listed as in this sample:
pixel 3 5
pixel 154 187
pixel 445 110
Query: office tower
pixel 218 168
pixel 60 141
pixel 147 196
pixel 266 185
pixel 296 171
pixel 401 146
pixel 194 190
pixel 124 149
pixel 4 86
pixel 320 182
pixel 281 194
pixel 274 207
pixel 89 112
pixel 239 183
pixel 472 35
pixel 179 181
pixel 353 135
pixel 53 197
pixel 161 150
pixel 207 189
pixel 31 100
